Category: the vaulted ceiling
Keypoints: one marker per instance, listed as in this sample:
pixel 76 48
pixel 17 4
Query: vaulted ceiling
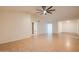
pixel 61 13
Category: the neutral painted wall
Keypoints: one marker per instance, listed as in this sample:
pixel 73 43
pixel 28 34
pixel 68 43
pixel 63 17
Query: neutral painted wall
pixel 55 26
pixel 41 27
pixel 14 26
pixel 71 26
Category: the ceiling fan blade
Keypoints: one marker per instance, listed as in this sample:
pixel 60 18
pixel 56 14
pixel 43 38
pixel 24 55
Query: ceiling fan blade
pixel 44 7
pixel 41 13
pixel 39 10
pixel 52 10
pixel 50 7
pixel 49 12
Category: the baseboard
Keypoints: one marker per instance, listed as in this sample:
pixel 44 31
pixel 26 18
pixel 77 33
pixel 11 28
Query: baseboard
pixel 7 41
pixel 47 33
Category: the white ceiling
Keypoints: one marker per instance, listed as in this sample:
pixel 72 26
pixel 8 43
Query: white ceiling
pixel 61 13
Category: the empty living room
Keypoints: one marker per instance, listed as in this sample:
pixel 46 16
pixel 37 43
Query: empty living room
pixel 39 28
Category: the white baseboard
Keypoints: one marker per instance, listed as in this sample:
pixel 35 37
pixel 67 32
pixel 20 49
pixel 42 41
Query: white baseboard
pixel 7 41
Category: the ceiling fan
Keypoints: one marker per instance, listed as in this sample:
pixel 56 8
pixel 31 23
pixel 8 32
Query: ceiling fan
pixel 45 10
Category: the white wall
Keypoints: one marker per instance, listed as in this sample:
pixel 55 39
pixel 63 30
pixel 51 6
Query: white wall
pixel 69 26
pixel 55 26
pixel 41 27
pixel 62 26
pixel 14 26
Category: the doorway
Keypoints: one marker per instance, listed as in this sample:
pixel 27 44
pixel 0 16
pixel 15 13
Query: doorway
pixel 34 28
pixel 49 28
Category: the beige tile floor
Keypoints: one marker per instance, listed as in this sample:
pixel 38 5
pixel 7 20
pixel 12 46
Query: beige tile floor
pixel 63 42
